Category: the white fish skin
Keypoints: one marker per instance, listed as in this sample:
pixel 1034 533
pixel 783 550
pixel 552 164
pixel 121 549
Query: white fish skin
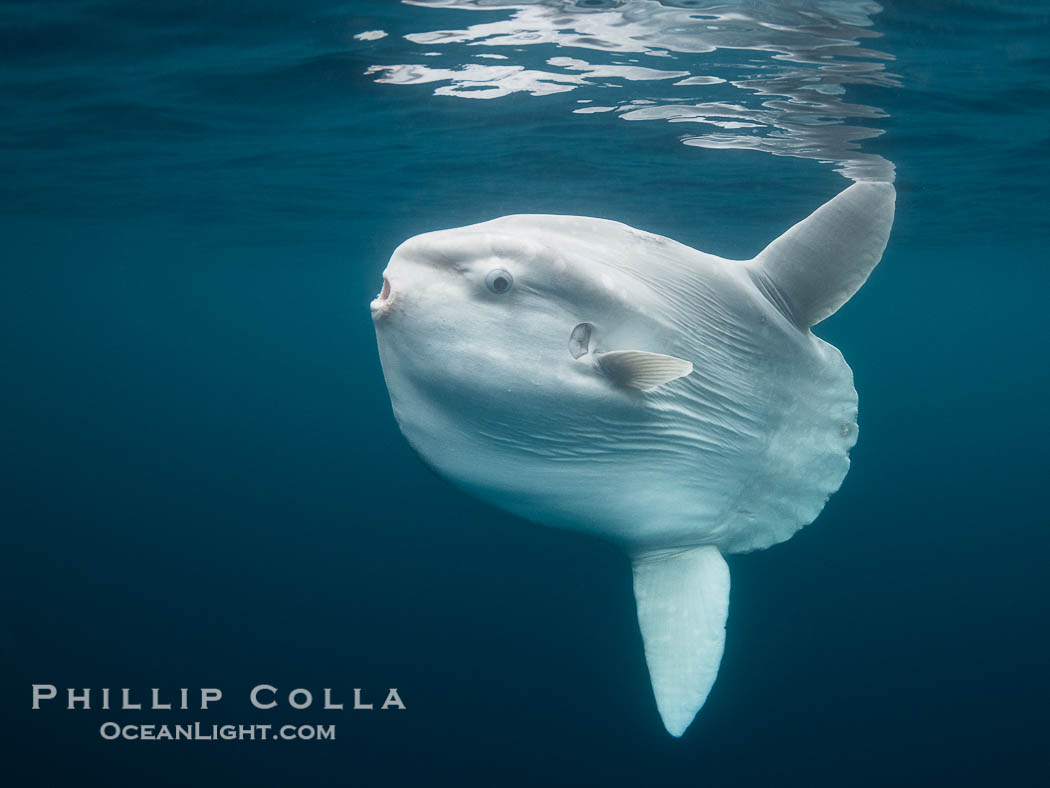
pixel 494 384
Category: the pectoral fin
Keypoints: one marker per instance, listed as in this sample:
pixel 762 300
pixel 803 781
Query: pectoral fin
pixel 639 369
pixel 683 601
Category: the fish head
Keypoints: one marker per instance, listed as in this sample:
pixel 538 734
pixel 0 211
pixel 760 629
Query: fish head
pixel 479 339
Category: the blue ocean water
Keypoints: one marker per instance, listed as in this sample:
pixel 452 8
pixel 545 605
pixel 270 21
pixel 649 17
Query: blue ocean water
pixel 204 485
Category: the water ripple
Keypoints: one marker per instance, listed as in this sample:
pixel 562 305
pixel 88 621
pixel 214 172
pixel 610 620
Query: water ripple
pixel 763 76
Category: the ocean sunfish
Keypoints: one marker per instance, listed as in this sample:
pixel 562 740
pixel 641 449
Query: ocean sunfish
pixel 583 374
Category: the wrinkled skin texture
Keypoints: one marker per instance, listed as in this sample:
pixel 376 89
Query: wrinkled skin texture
pixel 486 390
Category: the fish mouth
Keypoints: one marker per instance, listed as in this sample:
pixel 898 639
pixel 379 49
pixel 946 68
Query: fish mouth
pixel 381 303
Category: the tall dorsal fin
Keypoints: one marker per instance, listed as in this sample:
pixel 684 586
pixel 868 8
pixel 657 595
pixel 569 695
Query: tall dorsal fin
pixel 683 601
pixel 814 268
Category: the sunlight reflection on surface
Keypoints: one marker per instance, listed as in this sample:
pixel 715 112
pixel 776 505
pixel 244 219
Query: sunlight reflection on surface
pixel 765 76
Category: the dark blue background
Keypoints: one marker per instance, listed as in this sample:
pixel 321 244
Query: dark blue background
pixel 204 485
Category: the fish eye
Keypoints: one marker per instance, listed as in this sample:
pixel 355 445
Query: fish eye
pixel 499 281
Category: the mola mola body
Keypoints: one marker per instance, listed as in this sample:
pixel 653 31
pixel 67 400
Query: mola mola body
pixel 584 374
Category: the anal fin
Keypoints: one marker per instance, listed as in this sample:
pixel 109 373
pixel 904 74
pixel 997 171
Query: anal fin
pixel 683 601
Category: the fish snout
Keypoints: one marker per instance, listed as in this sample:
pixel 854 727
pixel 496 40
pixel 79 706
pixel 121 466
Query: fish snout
pixel 383 302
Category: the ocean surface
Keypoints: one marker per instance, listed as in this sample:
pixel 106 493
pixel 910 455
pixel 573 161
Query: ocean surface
pixel 204 486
